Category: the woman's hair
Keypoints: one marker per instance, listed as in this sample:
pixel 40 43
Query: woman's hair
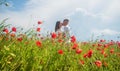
pixel 57 26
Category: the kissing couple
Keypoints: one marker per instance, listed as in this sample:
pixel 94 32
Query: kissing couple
pixel 63 27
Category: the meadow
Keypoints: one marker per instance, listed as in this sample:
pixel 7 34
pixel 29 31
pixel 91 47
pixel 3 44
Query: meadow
pixel 18 52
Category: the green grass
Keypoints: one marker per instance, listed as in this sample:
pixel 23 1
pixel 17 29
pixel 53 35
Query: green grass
pixel 25 55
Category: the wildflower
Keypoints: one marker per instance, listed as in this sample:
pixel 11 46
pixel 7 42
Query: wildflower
pixel 102 40
pixel 38 29
pixel 99 45
pixel 39 22
pixel 102 52
pixel 112 50
pixel 12 35
pixel 60 51
pixel 98 63
pixel 19 39
pixel 105 45
pixel 60 40
pixel 75 45
pixel 53 35
pixel 90 52
pixel 38 43
pixel 14 29
pixel 73 39
pixel 5 30
pixel 85 55
pixel 82 62
pixel 78 51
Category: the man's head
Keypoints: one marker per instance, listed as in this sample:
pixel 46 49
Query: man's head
pixel 65 22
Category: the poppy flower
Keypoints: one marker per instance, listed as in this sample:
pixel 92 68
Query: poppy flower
pixel 12 35
pixel 39 22
pixel 85 55
pixel 14 29
pixel 73 39
pixel 78 51
pixel 90 52
pixel 105 45
pixel 93 45
pixel 98 48
pixel 112 50
pixel 53 35
pixel 19 39
pixel 102 40
pixel 38 43
pixel 5 30
pixel 60 51
pixel 111 43
pixel 118 44
pixel 75 45
pixel 99 45
pixel 82 62
pixel 60 40
pixel 38 29
pixel 105 55
pixel 102 52
pixel 98 63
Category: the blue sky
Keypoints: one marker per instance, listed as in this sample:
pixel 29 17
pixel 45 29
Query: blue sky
pixel 87 17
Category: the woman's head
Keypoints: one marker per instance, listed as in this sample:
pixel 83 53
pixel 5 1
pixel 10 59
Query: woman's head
pixel 58 25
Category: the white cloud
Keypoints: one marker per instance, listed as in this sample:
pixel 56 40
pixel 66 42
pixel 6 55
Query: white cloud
pixel 104 32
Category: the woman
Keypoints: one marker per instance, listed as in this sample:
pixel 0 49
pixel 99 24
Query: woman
pixel 58 27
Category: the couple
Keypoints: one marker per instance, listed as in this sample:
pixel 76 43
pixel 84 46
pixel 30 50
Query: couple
pixel 63 27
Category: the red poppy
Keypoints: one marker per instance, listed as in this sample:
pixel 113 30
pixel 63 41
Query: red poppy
pixel 105 55
pixel 93 45
pixel 99 45
pixel 105 45
pixel 78 51
pixel 73 39
pixel 98 48
pixel 60 51
pixel 75 45
pixel 60 40
pixel 85 55
pixel 98 63
pixel 19 39
pixel 102 40
pixel 53 35
pixel 38 29
pixel 82 62
pixel 39 22
pixel 112 50
pixel 12 35
pixel 5 30
pixel 111 43
pixel 90 52
pixel 14 29
pixel 38 43
pixel 102 52
pixel 118 44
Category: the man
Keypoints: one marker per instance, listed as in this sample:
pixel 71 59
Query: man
pixel 65 28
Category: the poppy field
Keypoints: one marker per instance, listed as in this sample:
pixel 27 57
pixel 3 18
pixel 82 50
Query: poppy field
pixel 19 52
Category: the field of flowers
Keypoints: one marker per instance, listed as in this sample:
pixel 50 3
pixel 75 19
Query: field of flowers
pixel 18 52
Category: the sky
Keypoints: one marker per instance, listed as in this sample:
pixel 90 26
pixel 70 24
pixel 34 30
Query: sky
pixel 89 19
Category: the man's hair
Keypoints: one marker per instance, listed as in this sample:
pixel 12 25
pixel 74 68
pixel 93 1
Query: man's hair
pixel 66 20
